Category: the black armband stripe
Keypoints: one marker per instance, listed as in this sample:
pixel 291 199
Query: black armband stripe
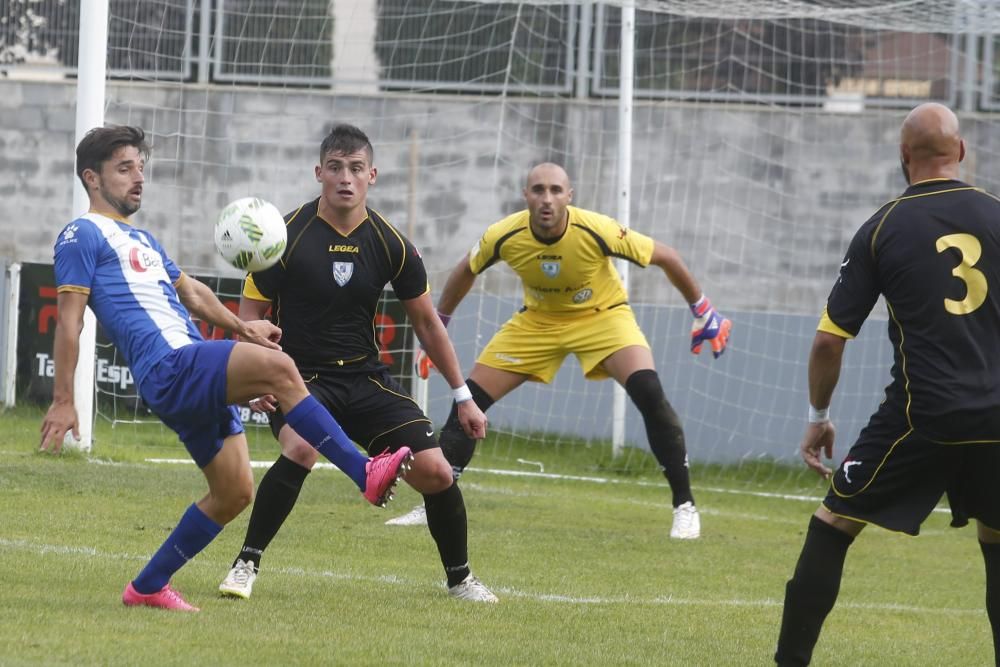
pixel 602 244
pixel 496 248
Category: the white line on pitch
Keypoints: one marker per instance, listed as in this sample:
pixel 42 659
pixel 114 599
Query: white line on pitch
pixel 668 600
pixel 555 476
pixel 578 478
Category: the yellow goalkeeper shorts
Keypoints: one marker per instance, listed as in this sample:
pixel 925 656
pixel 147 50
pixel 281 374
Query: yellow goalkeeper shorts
pixel 535 344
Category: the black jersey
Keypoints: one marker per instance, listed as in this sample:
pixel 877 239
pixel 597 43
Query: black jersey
pixel 326 288
pixel 934 254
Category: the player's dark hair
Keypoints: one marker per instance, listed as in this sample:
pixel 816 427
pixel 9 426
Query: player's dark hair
pixel 98 145
pixel 346 139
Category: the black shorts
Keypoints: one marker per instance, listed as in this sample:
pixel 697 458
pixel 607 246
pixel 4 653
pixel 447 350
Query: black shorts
pixel 372 408
pixel 894 477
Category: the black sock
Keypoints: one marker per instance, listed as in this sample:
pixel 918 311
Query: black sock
pixel 456 446
pixel 276 496
pixel 449 527
pixel 811 592
pixel 991 556
pixel 663 430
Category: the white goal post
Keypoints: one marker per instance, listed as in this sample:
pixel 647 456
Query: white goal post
pixel 90 87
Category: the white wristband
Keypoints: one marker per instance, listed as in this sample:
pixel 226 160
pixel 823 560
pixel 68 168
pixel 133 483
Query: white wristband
pixel 462 394
pixel 818 416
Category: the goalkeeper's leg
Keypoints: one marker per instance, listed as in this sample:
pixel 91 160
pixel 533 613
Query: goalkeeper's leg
pixel 663 429
pixel 458 447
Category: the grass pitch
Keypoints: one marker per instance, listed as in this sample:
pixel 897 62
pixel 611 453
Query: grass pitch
pixel 584 570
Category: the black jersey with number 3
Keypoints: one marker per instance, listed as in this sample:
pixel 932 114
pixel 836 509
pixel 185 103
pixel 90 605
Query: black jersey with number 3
pixel 325 290
pixel 934 253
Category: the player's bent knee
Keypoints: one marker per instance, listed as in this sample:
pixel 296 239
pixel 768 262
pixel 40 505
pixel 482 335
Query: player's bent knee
pixel 227 503
pixel 986 534
pixel 457 447
pixel 646 392
pixel 280 372
pixel 430 474
pixel 298 450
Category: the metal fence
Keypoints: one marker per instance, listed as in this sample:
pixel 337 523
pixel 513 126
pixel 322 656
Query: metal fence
pixel 492 47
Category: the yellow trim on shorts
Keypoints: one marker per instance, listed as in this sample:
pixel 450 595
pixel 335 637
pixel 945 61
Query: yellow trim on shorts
pixel 865 521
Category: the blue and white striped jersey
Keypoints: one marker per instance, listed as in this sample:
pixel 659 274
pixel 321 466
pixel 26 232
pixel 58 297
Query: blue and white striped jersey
pixel 130 281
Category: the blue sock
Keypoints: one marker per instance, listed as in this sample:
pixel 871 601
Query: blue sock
pixel 194 532
pixel 317 427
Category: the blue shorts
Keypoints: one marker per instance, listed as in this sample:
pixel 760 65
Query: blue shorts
pixel 187 391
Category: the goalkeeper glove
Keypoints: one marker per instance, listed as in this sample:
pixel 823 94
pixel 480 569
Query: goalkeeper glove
pixel 709 326
pixel 422 365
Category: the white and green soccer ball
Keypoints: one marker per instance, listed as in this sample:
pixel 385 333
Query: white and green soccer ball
pixel 250 234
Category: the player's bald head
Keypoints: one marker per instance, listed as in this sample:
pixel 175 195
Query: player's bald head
pixel 930 145
pixel 931 131
pixel 547 172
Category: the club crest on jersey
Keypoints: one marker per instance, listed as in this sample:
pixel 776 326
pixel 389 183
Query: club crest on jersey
pixel 342 272
pixel 550 269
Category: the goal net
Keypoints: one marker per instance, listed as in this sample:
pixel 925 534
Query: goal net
pixel 764 132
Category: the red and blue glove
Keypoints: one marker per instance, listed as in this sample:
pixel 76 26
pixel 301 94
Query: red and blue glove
pixel 709 326
pixel 422 365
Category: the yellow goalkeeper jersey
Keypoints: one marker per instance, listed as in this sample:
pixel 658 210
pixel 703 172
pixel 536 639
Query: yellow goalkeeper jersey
pixel 570 274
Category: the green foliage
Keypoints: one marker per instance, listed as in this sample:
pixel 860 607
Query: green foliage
pixel 584 570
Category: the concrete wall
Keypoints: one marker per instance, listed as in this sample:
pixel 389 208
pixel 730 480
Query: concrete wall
pixel 760 202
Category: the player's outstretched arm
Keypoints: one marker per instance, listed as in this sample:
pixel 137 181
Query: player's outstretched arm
pixel 460 281
pixel 433 337
pixel 825 361
pixel 61 416
pixel 677 271
pixel 458 284
pixel 201 302
pixel 250 310
pixel 709 325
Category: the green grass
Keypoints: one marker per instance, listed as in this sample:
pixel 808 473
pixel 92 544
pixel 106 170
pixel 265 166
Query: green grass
pixel 584 570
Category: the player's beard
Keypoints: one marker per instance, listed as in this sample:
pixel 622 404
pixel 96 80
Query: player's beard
pixel 124 207
pixel 906 171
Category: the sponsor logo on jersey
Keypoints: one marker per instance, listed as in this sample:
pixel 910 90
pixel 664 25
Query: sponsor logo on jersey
pixel 344 248
pixel 142 261
pixel 342 272
pixel 622 232
pixel 69 235
pixel 583 295
pixel 551 269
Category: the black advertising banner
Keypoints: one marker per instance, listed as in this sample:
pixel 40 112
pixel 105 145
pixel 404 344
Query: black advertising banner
pixel 116 392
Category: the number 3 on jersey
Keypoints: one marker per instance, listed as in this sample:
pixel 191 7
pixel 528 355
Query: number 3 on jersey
pixel 975 282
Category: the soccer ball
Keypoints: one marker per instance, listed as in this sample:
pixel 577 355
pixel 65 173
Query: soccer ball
pixel 250 234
